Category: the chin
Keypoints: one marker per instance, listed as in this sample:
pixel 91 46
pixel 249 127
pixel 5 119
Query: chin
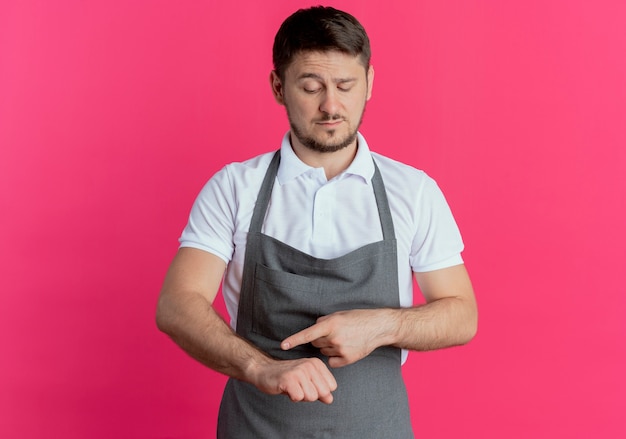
pixel 324 144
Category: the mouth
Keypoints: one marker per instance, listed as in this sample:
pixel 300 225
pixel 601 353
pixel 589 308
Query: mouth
pixel 330 123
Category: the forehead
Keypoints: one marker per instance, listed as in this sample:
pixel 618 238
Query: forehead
pixel 330 64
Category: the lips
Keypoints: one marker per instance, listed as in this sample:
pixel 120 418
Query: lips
pixel 330 123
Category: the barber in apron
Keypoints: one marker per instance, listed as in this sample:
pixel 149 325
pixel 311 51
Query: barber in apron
pixel 284 291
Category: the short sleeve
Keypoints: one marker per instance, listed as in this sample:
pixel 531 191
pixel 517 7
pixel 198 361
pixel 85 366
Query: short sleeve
pixel 437 241
pixel 211 221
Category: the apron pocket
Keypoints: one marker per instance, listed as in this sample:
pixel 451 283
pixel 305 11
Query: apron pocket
pixel 283 303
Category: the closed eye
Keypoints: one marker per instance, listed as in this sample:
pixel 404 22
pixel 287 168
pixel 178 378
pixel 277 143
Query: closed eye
pixel 345 84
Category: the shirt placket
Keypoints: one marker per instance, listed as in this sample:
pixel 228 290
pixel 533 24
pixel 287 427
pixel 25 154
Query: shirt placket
pixel 324 212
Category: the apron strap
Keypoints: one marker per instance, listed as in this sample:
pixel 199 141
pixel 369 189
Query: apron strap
pixel 265 193
pixel 382 202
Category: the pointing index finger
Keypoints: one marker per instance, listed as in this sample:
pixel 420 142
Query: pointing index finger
pixel 307 335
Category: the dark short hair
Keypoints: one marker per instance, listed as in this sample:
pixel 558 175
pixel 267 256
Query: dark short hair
pixel 319 29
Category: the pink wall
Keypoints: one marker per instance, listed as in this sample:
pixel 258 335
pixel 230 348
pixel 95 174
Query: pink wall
pixel 114 113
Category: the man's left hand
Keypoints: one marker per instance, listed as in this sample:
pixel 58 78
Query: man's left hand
pixel 346 337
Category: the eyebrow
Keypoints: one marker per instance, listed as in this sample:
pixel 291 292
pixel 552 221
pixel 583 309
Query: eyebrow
pixel 321 79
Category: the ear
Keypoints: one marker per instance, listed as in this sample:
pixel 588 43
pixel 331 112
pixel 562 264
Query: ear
pixel 370 81
pixel 277 87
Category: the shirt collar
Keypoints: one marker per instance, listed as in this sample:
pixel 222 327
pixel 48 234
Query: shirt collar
pixel 291 167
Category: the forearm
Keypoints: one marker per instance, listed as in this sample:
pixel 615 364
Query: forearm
pixel 186 314
pixel 442 323
pixel 199 330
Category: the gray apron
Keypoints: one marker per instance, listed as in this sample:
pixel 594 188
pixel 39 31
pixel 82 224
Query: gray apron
pixel 284 291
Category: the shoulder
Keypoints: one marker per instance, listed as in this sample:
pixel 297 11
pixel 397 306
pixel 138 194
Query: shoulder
pixel 254 165
pixel 401 176
pixel 411 191
pixel 242 174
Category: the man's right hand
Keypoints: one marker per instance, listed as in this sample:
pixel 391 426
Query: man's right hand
pixel 304 379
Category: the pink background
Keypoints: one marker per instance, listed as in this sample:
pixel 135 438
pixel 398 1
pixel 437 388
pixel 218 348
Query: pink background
pixel 114 113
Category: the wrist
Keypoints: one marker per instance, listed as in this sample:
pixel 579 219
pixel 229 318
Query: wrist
pixel 392 324
pixel 254 367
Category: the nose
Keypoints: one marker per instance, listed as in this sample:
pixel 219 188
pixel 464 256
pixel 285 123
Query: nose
pixel 330 102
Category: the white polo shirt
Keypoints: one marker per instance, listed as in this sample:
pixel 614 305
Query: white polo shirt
pixel 324 218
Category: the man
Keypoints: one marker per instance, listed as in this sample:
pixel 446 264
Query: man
pixel 317 245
